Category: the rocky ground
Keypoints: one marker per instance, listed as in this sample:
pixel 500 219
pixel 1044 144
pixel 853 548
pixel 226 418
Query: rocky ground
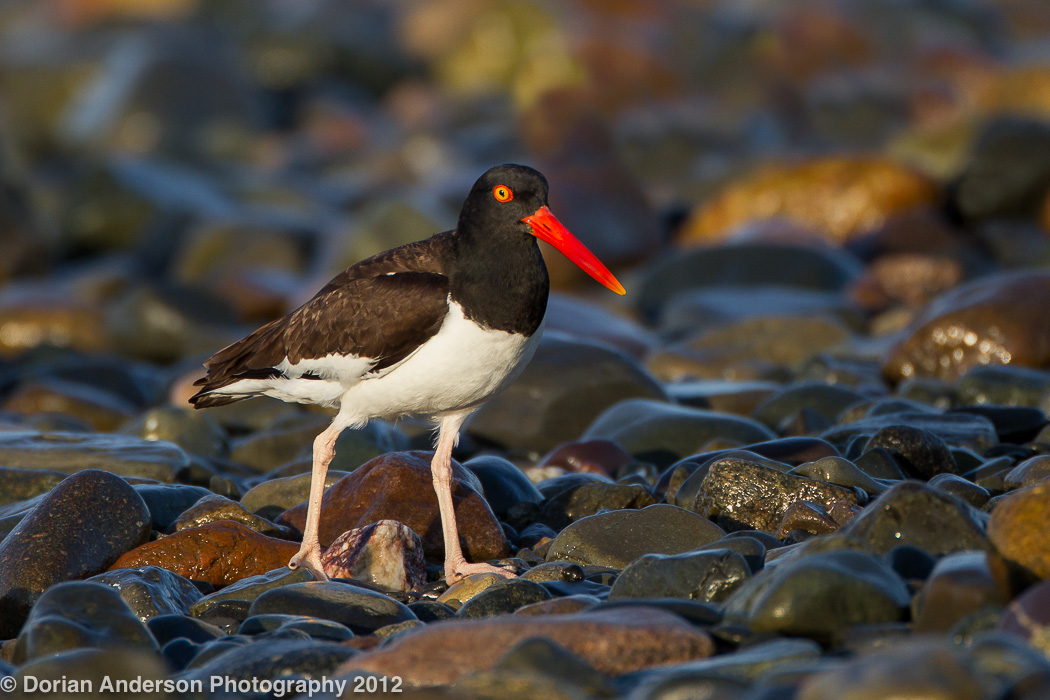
pixel 806 457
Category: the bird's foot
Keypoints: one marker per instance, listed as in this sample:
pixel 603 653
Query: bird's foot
pixel 310 559
pixel 457 571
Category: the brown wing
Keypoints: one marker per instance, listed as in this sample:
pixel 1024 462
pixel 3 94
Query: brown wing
pixel 382 308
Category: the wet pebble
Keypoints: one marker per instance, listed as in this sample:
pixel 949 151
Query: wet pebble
pixel 22 484
pixel 616 539
pixel 572 504
pixel 274 496
pixel 921 453
pixel 360 609
pixel 503 597
pixel 196 432
pixel 78 529
pixel 75 614
pixel 220 553
pixel 214 508
pixel 745 495
pixel 151 591
pixel 72 452
pixel 1019 529
pixel 960 585
pixel 710 575
pixel 504 484
pixel 817 595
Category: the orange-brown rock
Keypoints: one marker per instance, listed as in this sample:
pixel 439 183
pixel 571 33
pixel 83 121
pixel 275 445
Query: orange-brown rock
pixel 1020 529
pixel 614 642
pixel 220 553
pixel 909 278
pixel 996 320
pixel 840 197
pixel 398 486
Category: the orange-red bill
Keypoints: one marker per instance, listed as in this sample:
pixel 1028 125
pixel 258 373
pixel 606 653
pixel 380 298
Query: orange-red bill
pixel 546 227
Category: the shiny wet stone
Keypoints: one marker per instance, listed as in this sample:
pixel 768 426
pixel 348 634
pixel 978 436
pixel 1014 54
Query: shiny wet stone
pixel 503 597
pixel 122 455
pixel 618 538
pixel 709 575
pixel 151 591
pixel 78 529
pixel 818 595
pixel 76 614
pixel 362 610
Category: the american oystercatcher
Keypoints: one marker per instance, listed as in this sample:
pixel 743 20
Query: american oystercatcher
pixel 433 328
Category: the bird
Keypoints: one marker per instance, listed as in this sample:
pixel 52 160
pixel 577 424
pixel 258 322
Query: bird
pixel 432 328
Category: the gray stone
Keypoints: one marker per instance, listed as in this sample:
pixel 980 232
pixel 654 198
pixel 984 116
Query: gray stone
pixel 360 609
pixel 122 455
pixel 151 591
pixel 710 576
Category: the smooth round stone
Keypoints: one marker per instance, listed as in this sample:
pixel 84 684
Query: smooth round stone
pixel 926 667
pixel 360 609
pixel 503 597
pixel 78 529
pixel 98 408
pixel 463 590
pixel 220 553
pixel 22 484
pixel 997 319
pixel 505 485
pixel 555 571
pixel 312 626
pixel 196 432
pixel 442 654
pixel 960 585
pixel 385 554
pixel 165 628
pixel 122 455
pixel 75 614
pixel 167 501
pixel 137 383
pixel 151 591
pixel 841 472
pixel 815 596
pixel 544 658
pixel 920 452
pixel 879 463
pixel 1019 528
pixel 581 319
pixel 929 391
pixel 245 591
pixel 710 575
pixel 662 433
pixel 747 544
pixel 616 539
pixel 572 504
pixel 566 386
pixel 118 666
pixel 741 494
pixel 1003 385
pixel 912 513
pixel 1013 424
pixel 1030 472
pixel 213 508
pixel 272 659
pixel 963 489
pixel 431 610
pixel 991 474
pixel 827 400
pixel 271 498
pixel 957 430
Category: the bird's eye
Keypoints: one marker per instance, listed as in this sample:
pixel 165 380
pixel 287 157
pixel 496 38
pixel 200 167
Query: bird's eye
pixel 502 193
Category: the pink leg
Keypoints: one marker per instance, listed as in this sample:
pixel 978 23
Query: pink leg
pixel 309 554
pixel 456 565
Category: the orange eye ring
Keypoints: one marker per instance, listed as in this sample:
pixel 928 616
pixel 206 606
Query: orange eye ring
pixel 502 193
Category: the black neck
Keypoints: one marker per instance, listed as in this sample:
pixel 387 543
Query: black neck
pixel 500 280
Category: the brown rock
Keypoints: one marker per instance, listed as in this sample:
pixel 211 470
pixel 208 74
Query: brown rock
pixel 995 320
pixel 398 486
pixel 840 197
pixel 219 553
pixel 1020 528
pixel 961 584
pixel 34 319
pixel 808 517
pixel 386 554
pixel 103 411
pixel 214 508
pixel 1028 616
pixel 741 494
pixel 614 642
pixel 912 279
